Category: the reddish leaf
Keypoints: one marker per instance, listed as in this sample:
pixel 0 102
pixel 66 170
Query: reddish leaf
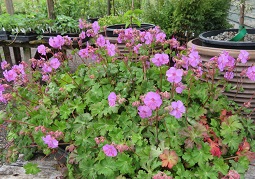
pixel 169 158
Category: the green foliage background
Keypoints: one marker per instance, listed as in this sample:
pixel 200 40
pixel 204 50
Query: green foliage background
pixel 189 17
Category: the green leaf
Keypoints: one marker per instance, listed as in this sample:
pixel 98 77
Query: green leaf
pixel 220 165
pixel 31 168
pixel 205 172
pixel 124 164
pixel 241 166
pixel 106 167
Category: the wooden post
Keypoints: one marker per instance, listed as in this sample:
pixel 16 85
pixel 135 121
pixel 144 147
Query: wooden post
pixel 241 19
pixel 9 6
pixel 7 55
pixel 17 56
pixel 108 7
pixel 50 6
pixel 27 54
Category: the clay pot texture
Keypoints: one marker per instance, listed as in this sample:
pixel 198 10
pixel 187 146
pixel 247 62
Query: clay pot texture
pixel 206 53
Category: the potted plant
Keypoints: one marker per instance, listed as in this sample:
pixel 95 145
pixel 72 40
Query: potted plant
pixel 62 25
pixel 22 28
pixel 208 48
pixel 127 118
pixel 5 26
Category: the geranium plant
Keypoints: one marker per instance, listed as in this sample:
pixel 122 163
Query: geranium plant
pixel 153 112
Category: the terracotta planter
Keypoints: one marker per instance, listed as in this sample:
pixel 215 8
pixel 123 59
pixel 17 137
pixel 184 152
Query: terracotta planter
pixel 249 86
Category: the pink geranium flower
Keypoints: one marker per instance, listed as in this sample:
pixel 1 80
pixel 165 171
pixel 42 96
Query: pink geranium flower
pixel 10 75
pixel 250 73
pixel 95 27
pixel 243 56
pixel 177 109
pixel 54 63
pixel 41 49
pixel 100 41
pixel 112 98
pixel 50 141
pixel 46 68
pixel 110 150
pixel 152 100
pixel 160 37
pixel 110 49
pixel 84 53
pixel 4 64
pixel 57 42
pixel 174 75
pixel 144 111
pixel 160 59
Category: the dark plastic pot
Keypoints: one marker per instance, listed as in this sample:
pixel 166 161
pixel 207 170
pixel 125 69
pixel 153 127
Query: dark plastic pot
pixel 92 20
pixel 110 29
pixel 4 35
pixel 226 44
pixel 23 38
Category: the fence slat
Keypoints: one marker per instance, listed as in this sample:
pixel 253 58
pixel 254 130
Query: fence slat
pixel 7 55
pixel 17 56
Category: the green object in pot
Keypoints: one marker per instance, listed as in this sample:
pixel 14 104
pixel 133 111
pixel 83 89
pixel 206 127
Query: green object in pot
pixel 240 35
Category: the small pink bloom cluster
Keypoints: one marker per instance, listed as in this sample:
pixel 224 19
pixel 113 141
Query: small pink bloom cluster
pixel 50 141
pixel 177 109
pixel 161 175
pixel 100 139
pixel 110 150
pixel 113 98
pixel 152 101
pixel 232 174
pixel 174 75
pixel 160 59
pixel 91 29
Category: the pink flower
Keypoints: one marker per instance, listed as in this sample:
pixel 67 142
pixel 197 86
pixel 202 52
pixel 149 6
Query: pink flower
pixel 177 109
pixel 243 56
pixel 229 75
pixel 4 64
pixel 137 48
pixel 110 150
pixel 2 88
pixel 110 49
pixel 2 98
pixel 174 75
pixel 41 49
pixel 10 75
pixel 57 42
pixel 232 174
pixel 179 88
pixel 161 175
pixel 250 73
pixel 148 38
pixel 160 59
pixel 50 141
pixel 112 98
pixel 95 27
pixel 144 111
pixel 194 58
pixel 100 41
pixel 84 53
pixel 46 68
pixel 225 60
pixel 54 63
pixel 68 40
pixel 160 37
pixel 152 100
pixel 81 24
pixel 45 78
pixel 82 35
